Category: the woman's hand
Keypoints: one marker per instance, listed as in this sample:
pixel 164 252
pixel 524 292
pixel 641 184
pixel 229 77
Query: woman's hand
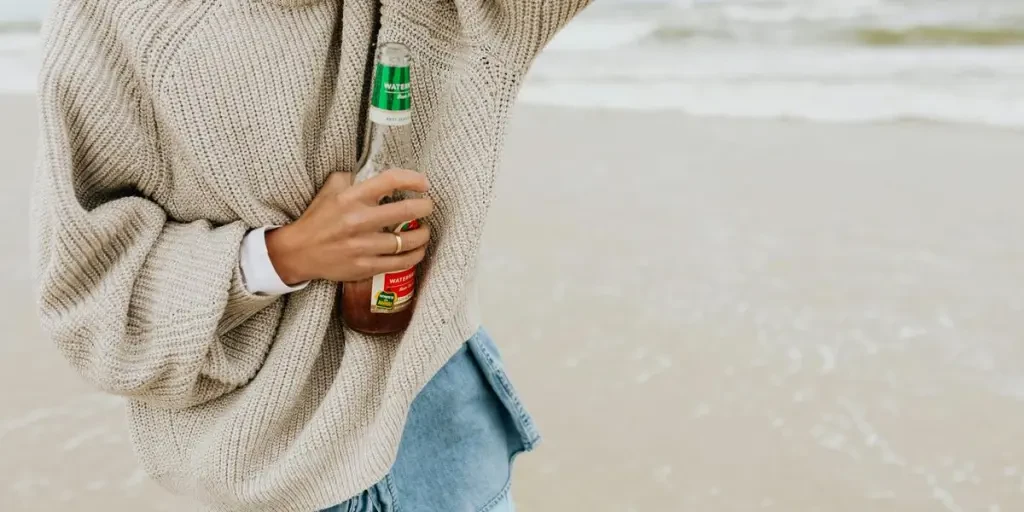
pixel 340 236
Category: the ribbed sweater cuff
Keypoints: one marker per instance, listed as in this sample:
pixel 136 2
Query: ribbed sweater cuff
pixel 192 263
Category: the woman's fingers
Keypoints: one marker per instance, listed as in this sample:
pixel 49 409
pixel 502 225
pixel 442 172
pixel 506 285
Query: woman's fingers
pixel 382 264
pixel 375 218
pixel 386 183
pixel 385 244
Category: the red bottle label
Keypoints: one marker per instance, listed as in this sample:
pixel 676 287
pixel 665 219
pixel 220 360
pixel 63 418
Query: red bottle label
pixel 393 292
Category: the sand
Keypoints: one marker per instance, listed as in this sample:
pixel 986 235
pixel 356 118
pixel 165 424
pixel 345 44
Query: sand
pixel 703 315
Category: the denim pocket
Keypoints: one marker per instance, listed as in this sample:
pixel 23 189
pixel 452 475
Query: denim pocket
pixel 489 358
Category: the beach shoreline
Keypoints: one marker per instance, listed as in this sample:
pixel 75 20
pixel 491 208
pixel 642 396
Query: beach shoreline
pixel 701 313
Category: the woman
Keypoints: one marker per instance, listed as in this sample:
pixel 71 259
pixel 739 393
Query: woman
pixel 176 137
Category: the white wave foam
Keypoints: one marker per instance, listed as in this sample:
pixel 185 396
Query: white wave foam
pixel 823 84
pixel 843 22
pixel 19 62
pixel 776 12
pixel 764 100
pixel 824 64
pixel 17 42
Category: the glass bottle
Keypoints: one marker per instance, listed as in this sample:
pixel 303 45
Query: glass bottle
pixel 384 303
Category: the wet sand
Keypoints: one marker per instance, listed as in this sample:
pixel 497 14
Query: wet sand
pixel 702 314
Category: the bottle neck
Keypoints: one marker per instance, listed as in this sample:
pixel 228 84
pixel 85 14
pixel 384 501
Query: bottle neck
pixel 391 101
pixel 379 116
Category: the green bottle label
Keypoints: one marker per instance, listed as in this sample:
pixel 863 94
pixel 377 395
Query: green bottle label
pixel 391 103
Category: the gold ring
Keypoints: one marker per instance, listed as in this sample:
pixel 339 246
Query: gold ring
pixel 398 246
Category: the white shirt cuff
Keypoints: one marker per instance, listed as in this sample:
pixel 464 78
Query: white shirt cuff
pixel 257 270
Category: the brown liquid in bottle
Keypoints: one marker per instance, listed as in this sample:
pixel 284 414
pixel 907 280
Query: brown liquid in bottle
pixel 355 311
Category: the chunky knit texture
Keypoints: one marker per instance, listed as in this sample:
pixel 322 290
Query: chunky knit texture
pixel 170 129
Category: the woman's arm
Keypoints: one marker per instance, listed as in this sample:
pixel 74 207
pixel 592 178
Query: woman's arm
pixel 141 305
pixel 148 306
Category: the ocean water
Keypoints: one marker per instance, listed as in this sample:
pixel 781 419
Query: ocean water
pixel 956 61
pixel 824 60
pixel 19 60
pixel 19 43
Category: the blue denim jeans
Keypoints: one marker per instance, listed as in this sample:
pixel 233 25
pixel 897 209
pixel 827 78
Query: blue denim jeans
pixel 505 505
pixel 464 430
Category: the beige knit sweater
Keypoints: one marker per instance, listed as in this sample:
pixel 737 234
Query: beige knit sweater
pixel 170 128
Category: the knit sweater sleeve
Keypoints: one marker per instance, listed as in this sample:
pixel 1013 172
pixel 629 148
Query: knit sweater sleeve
pixel 140 304
pixel 519 28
